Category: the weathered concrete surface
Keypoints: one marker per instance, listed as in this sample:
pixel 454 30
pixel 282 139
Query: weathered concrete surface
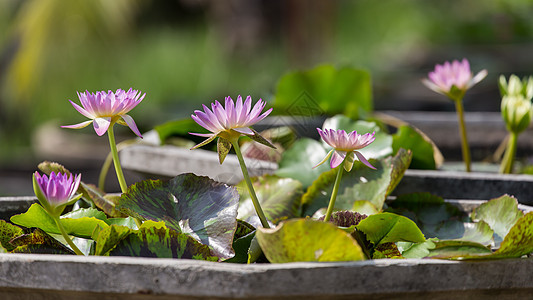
pixel 462 185
pixel 26 276
pixel 10 206
pixel 170 161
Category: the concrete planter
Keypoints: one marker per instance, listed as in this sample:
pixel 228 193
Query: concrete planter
pixel 36 276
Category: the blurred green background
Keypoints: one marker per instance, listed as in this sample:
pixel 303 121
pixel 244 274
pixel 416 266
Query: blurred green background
pixel 186 52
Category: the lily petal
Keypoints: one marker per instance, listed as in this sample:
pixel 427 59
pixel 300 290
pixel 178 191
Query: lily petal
pixel 101 125
pixel 131 124
pixel 363 160
pixel 337 158
pixel 79 125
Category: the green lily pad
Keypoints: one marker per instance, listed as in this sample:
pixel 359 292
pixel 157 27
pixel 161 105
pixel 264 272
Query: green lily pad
pixel 324 90
pixel 82 224
pixel 417 250
pixel 423 149
pixel 279 198
pixel 519 239
pixel 105 202
pixel 304 154
pixel 479 232
pixel 454 249
pixel 307 240
pixel 39 242
pixel 8 231
pixel 390 228
pixel 432 214
pixel 153 239
pixel 380 147
pixel 386 250
pixel 500 214
pixel 361 183
pixel 195 205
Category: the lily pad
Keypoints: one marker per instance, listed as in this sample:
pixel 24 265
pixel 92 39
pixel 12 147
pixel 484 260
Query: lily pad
pixel 304 154
pixel 8 231
pixel 325 90
pixel 279 198
pixel 153 239
pixel 82 224
pixel 195 205
pixel 361 183
pixel 423 149
pixel 307 240
pixel 39 242
pixel 380 147
pixel 500 214
pixel 417 250
pixel 454 249
pixel 519 240
pixel 390 228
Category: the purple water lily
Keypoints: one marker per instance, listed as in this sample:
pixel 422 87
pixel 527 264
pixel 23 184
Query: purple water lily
pixel 231 121
pixel 56 190
pixel 343 144
pixel 106 108
pixel 455 74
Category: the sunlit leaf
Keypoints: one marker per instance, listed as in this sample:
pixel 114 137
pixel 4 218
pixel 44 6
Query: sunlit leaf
pixel 8 231
pixel 39 242
pixel 390 228
pixel 279 198
pixel 307 240
pixel 82 225
pixel 500 214
pixel 195 205
pixel 423 150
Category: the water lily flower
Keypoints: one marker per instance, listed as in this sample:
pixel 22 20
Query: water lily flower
pixel 57 191
pixel 107 108
pixel 345 145
pixel 516 87
pixel 453 79
pixel 229 122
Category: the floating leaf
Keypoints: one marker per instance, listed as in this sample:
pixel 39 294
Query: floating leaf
pixel 454 249
pixel 362 183
pixel 153 239
pixel 39 242
pixel 106 202
pixel 417 250
pixel 432 214
pixel 364 207
pixel 195 205
pixel 307 240
pixel 8 231
pixel 279 198
pixel 325 90
pixel 386 250
pixel 519 240
pixel 500 214
pixel 380 147
pixel 423 149
pixel 479 232
pixel 81 226
pixel 305 154
pixel 390 228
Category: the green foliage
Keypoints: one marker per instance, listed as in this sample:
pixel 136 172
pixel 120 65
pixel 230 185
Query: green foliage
pixel 80 223
pixel 153 239
pixel 424 151
pixel 8 231
pixel 307 240
pixel 361 183
pixel 198 206
pixel 390 228
pixel 325 90
pixel 279 197
pixel 501 214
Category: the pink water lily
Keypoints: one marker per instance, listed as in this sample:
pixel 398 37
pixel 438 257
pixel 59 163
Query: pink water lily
pixel 448 77
pixel 106 108
pixel 230 121
pixel 344 144
pixel 56 190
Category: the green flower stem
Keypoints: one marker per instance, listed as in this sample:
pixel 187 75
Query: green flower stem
pixel 114 152
pixel 251 190
pixel 462 129
pixel 331 204
pixel 66 237
pixel 506 166
pixel 118 168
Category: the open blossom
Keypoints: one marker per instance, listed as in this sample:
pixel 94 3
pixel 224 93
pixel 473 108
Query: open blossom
pixel 231 121
pixel 345 144
pixel 453 79
pixel 106 108
pixel 55 191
